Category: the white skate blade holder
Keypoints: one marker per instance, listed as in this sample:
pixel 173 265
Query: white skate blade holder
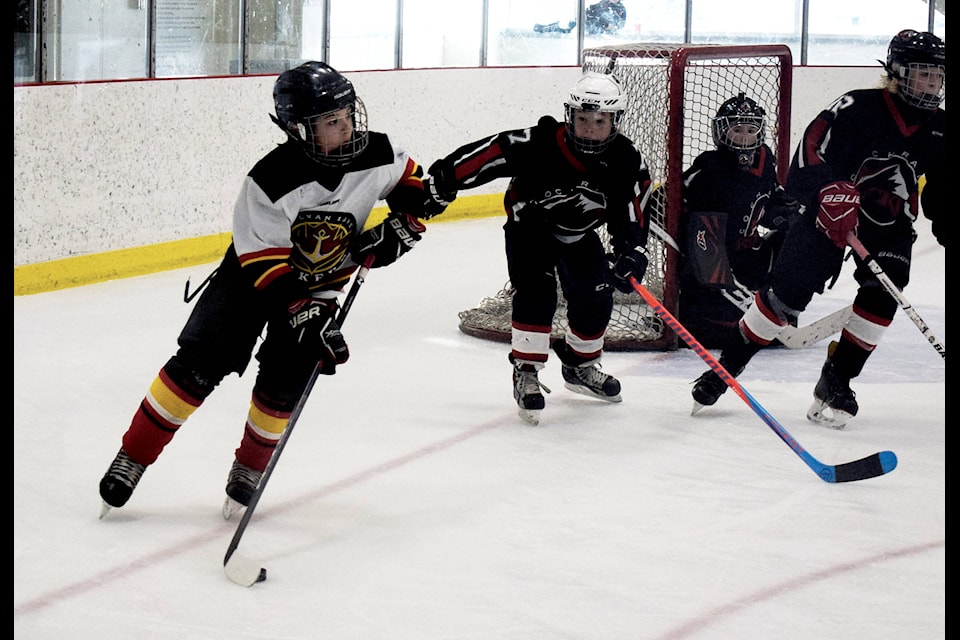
pixel 820 413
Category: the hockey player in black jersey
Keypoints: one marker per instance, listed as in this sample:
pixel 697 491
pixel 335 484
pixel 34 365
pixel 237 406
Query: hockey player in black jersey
pixel 298 236
pixel 856 170
pixel 566 180
pixel 734 218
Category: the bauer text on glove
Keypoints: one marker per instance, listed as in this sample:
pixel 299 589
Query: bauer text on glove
pixel 388 240
pixel 627 264
pixel 839 211
pixel 317 331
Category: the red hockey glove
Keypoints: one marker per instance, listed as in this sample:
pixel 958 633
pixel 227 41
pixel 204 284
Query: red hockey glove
pixel 317 331
pixel 839 210
pixel 388 240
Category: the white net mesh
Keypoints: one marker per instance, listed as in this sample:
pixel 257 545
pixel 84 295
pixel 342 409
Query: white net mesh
pixel 674 91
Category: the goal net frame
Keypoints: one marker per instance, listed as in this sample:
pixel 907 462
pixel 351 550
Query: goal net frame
pixel 674 90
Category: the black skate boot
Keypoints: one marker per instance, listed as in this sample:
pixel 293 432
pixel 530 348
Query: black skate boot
pixel 707 389
pixel 241 484
pixel 834 402
pixel 584 376
pixel 119 481
pixel 587 379
pixel 526 390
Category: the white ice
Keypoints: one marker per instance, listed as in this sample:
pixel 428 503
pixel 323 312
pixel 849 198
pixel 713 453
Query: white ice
pixel 413 504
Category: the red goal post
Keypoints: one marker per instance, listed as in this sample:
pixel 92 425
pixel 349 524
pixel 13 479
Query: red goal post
pixel 674 91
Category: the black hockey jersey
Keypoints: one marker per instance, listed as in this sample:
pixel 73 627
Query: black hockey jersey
pixel 715 182
pixel 567 193
pixel 867 126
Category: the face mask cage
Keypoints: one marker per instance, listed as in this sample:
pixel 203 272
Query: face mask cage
pixel 303 133
pixel 586 145
pixel 916 82
pixel 725 136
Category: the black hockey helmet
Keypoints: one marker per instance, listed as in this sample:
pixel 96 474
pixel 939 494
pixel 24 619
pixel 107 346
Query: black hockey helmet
pixel 918 52
pixel 310 91
pixel 739 110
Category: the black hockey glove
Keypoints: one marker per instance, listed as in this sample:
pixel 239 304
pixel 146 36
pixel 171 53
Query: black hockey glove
pixel 629 263
pixel 317 331
pixel 388 240
pixel 435 201
pixel 780 210
pixel 438 188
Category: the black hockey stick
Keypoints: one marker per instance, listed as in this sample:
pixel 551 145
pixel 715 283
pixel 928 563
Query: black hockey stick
pixel 240 569
pixel 873 465
pixel 894 291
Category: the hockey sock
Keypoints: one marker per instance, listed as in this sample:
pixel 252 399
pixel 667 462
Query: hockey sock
pixel 163 410
pixel 264 426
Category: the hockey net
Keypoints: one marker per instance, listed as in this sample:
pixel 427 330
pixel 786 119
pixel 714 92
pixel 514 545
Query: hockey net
pixel 674 91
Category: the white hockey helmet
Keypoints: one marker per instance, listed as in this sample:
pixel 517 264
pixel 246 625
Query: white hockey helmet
pixel 595 92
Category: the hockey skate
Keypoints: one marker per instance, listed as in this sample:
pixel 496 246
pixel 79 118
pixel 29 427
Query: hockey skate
pixel 834 402
pixel 587 379
pixel 707 389
pixel 526 391
pixel 119 481
pixel 241 484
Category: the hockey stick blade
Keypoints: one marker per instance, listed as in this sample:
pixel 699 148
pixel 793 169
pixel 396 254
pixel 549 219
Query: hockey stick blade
pixel 243 570
pixel 800 337
pixel 871 466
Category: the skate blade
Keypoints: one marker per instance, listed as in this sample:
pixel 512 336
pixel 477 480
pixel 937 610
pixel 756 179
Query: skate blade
pixel 820 413
pixel 104 509
pixel 696 408
pixel 590 393
pixel 231 507
pixel 530 416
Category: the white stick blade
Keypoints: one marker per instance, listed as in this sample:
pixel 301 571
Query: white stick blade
pixel 244 571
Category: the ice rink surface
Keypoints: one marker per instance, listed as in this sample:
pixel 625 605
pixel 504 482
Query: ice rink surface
pixel 413 504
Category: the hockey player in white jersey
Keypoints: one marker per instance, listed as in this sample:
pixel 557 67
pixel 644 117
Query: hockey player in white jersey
pixel 298 236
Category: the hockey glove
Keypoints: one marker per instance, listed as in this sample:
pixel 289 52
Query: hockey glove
pixel 838 213
pixel 439 188
pixel 435 200
pixel 780 210
pixel 317 331
pixel 629 263
pixel 388 240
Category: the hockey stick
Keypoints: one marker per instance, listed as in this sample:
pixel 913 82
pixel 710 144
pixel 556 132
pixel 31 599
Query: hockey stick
pixel 873 465
pixel 240 569
pixel 894 291
pixel 828 325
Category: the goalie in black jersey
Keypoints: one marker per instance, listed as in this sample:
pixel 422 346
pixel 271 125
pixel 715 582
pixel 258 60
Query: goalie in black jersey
pixel 734 217
pixel 566 180
pixel 298 236
pixel 856 170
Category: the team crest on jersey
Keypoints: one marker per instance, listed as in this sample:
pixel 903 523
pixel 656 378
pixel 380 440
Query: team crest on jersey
pixel 320 241
pixel 575 211
pixel 888 187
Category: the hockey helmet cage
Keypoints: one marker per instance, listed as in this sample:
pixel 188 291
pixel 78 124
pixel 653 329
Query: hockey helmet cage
pixel 310 91
pixel 595 92
pixel 739 110
pixel 911 59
